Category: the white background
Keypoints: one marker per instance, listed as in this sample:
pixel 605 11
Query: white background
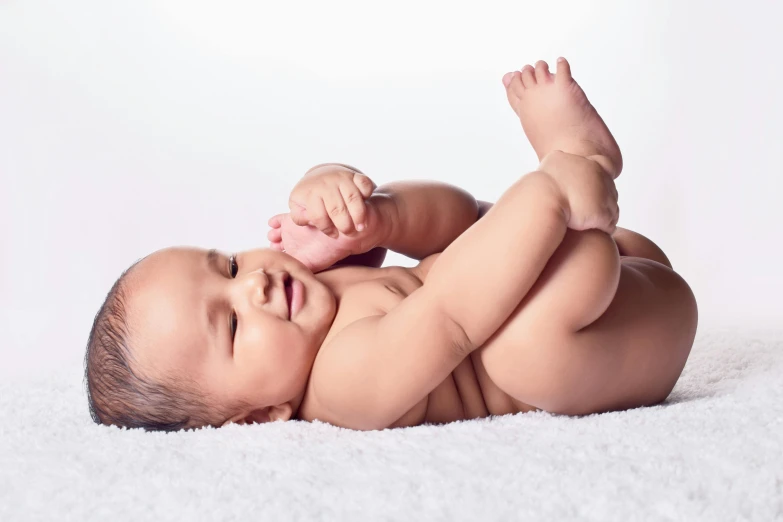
pixel 128 127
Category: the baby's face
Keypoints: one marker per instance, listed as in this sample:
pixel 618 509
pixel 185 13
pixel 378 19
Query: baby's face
pixel 222 321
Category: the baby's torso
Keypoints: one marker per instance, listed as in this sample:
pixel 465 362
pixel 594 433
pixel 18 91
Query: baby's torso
pixel 462 395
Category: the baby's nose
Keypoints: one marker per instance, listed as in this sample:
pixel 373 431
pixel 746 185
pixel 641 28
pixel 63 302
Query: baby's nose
pixel 258 283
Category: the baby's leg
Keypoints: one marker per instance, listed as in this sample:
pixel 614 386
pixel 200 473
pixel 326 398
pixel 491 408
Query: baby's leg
pixel 637 329
pixel 637 318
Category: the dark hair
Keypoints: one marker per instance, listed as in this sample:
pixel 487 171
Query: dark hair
pixel 118 394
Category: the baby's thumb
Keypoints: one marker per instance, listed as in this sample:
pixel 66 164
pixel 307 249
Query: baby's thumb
pixel 298 212
pixel 299 216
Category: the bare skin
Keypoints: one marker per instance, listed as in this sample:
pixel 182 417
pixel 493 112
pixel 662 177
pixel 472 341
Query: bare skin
pixel 642 315
pixel 634 351
pixel 556 115
pixel 639 316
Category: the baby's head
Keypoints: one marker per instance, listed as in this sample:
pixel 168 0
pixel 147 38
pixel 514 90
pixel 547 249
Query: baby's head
pixel 189 338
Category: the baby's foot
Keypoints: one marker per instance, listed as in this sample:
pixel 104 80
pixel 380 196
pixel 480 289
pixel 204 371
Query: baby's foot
pixel 556 115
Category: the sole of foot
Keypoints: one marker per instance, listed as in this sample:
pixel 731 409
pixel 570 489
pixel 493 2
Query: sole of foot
pixel 556 115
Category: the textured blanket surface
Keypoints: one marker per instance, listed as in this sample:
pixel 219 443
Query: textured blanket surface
pixel 712 451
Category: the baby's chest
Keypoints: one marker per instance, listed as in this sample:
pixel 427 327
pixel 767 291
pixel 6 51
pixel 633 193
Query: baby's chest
pixel 374 297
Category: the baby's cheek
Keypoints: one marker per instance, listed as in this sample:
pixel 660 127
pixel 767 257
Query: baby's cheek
pixel 266 348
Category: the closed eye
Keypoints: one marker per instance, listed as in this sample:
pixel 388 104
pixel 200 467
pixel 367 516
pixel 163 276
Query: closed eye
pixel 233 270
pixel 233 325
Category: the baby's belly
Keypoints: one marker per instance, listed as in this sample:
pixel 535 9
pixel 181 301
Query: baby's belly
pixel 468 393
pixel 458 397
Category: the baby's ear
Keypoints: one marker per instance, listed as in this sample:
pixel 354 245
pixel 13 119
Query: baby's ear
pixel 262 415
pixel 281 412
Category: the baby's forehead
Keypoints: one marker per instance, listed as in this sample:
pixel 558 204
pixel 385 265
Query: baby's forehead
pixel 165 269
pixel 164 305
pixel 170 267
pixel 173 256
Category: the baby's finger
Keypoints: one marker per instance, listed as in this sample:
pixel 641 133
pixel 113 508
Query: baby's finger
pixel 299 214
pixel 354 200
pixel 612 228
pixel 319 217
pixel 338 211
pixel 365 185
pixel 615 194
pixel 613 215
pixel 276 245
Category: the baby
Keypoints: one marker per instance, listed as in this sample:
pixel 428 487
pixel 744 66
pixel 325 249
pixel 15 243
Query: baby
pixel 537 302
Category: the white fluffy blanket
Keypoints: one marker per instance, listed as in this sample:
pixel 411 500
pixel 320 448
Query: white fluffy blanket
pixel 713 451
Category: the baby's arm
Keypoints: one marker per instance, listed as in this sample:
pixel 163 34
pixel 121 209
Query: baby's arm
pixel 421 218
pixel 417 228
pixel 415 218
pixel 377 368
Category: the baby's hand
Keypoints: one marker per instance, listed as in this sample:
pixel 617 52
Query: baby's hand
pixel 331 198
pixel 305 232
pixel 589 193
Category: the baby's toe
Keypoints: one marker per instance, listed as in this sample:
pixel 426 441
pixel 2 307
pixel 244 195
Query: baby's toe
pixel 514 88
pixel 528 76
pixel 274 234
pixel 563 71
pixel 542 72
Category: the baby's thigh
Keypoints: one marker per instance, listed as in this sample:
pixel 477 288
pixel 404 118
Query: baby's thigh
pixel 636 320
